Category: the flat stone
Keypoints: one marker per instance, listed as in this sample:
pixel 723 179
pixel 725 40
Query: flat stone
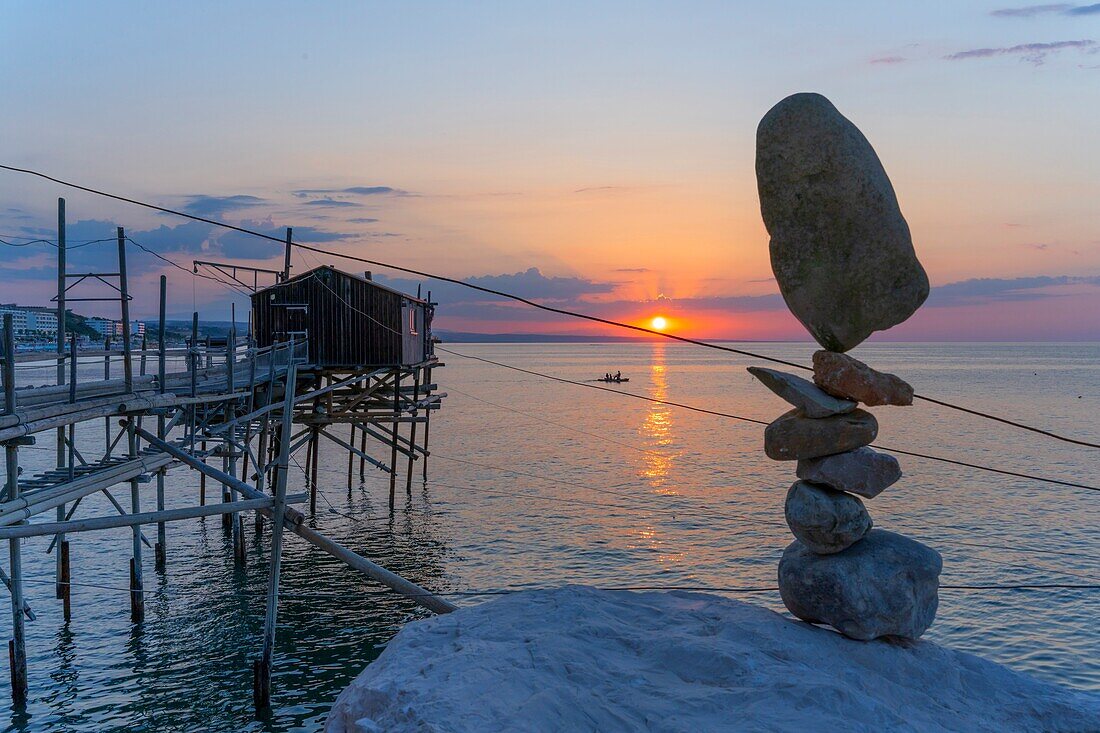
pixel 793 436
pixel 842 376
pixel 802 393
pixel 824 520
pixel 862 471
pixel 840 248
pixel 883 585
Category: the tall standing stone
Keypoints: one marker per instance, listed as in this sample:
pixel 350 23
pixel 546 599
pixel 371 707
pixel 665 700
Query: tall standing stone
pixel 840 248
pixel 844 260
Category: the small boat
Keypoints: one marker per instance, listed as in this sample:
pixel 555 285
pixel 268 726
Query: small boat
pixel 613 379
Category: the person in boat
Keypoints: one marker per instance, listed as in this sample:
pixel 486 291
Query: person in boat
pixel 618 376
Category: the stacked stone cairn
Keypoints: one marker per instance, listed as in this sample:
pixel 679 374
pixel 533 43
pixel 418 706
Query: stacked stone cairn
pixel 844 261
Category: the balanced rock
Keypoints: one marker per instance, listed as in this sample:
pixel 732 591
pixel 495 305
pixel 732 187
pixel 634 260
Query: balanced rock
pixel 883 585
pixel 793 436
pixel 842 376
pixel 840 249
pixel 862 471
pixel 824 520
pixel 802 393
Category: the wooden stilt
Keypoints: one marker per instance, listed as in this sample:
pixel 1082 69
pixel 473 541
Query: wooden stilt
pixel 393 437
pixel 137 595
pixel 315 447
pixel 202 478
pixel 427 424
pixel 17 646
pixel 228 494
pixel 160 549
pixel 351 457
pixel 66 580
pixel 362 453
pixel 106 376
pixel 261 681
pixel 412 438
pixel 61 452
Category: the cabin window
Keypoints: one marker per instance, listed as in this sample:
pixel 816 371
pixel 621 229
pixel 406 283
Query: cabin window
pixel 412 321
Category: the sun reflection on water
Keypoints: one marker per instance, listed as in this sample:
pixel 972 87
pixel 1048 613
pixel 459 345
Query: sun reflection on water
pixel 656 429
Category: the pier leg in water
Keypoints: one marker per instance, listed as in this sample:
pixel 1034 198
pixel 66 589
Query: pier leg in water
pixel 60 435
pixel 427 425
pixel 412 438
pixel 202 477
pixel 162 357
pixel 351 457
pixel 17 646
pixel 137 592
pixel 261 668
pixel 315 445
pixel 362 451
pixel 66 581
pixel 393 436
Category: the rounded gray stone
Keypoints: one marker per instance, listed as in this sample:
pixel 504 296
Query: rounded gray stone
pixel 824 520
pixel 863 471
pixel 802 393
pixel 792 435
pixel 883 585
pixel 840 248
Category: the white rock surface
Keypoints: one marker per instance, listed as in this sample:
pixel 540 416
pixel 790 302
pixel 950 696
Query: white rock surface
pixel 578 659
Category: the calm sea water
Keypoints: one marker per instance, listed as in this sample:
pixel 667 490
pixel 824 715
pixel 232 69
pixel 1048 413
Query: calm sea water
pixel 535 483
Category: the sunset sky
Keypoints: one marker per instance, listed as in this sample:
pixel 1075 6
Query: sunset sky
pixel 599 156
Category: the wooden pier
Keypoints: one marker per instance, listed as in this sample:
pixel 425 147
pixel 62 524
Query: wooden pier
pixel 330 356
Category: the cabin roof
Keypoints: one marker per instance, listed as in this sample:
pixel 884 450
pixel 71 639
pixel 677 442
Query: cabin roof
pixel 353 276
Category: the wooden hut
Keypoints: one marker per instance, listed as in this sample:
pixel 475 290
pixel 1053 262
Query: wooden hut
pixel 350 321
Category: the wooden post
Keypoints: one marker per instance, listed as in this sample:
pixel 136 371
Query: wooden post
pixel 107 376
pixel 263 451
pixel 17 646
pixel 64 585
pixel 427 422
pixel 315 448
pixel 286 254
pixel 313 454
pixel 160 549
pixel 261 684
pixel 351 457
pixel 194 356
pixel 60 452
pixel 393 437
pixel 144 348
pixel 66 580
pixel 230 411
pixel 137 594
pixel 127 359
pixel 412 436
pixel 429 352
pixel 362 452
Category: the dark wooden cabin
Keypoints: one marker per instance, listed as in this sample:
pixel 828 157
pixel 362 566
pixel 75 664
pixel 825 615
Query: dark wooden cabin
pixel 350 321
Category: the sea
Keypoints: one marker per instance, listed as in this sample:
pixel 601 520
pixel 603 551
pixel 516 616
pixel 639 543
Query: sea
pixel 534 483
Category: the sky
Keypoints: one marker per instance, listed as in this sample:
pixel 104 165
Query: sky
pixel 594 156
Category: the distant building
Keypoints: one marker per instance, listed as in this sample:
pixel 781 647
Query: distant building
pixel 107 327
pixel 31 322
pixel 103 326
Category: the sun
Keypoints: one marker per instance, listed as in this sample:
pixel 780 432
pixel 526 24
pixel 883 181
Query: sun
pixel 659 323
